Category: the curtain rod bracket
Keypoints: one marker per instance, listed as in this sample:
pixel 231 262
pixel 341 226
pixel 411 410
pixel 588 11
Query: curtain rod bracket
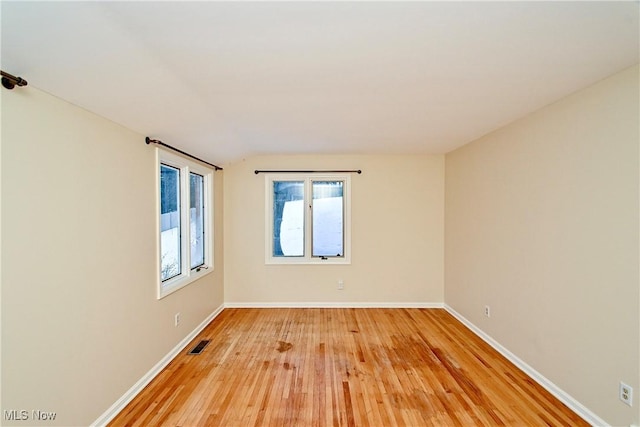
pixel 158 142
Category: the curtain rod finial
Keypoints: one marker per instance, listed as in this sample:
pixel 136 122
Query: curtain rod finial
pixel 10 81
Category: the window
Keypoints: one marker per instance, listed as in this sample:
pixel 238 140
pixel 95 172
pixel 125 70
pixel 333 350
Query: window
pixel 185 217
pixel 308 219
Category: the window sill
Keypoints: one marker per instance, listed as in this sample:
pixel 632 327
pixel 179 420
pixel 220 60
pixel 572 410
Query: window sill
pixel 179 282
pixel 306 261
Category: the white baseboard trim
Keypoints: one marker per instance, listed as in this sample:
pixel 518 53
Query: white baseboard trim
pixel 560 394
pixel 333 305
pixel 120 404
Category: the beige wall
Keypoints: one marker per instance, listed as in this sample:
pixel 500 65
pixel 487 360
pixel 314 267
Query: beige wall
pixel 397 234
pixel 542 225
pixel 80 319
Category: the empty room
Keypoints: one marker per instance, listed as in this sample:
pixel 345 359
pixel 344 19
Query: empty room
pixel 320 213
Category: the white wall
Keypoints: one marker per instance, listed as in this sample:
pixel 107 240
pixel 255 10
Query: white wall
pixel 542 223
pixel 80 319
pixel 397 234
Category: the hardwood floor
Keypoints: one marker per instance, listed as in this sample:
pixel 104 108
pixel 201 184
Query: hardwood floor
pixel 343 367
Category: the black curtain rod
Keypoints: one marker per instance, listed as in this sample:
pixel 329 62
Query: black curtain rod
pixel 155 141
pixel 9 81
pixel 358 171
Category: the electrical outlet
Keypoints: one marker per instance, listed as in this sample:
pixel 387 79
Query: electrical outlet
pixel 340 284
pixel 487 311
pixel 626 393
pixel 177 320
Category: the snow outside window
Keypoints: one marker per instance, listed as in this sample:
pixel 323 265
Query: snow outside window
pixel 308 219
pixel 185 237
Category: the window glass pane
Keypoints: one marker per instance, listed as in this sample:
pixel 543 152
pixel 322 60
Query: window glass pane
pixel 288 218
pixel 170 222
pixel 328 216
pixel 196 219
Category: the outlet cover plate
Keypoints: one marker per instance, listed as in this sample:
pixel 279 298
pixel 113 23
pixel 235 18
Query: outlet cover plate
pixel 626 393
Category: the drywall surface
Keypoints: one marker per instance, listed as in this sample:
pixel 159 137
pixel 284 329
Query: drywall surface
pixel 397 234
pixel 81 323
pixel 542 226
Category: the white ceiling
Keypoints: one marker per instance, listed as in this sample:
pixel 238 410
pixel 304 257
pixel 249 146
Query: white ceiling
pixel 226 80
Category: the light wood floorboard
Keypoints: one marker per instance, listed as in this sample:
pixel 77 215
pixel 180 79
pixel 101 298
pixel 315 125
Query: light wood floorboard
pixel 343 367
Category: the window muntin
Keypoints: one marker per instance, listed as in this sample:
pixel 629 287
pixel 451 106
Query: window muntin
pixel 307 219
pixel 185 214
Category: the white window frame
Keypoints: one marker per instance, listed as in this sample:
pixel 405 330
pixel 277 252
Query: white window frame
pixel 307 258
pixel 187 275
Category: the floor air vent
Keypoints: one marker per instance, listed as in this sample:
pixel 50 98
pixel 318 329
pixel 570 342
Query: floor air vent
pixel 198 348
